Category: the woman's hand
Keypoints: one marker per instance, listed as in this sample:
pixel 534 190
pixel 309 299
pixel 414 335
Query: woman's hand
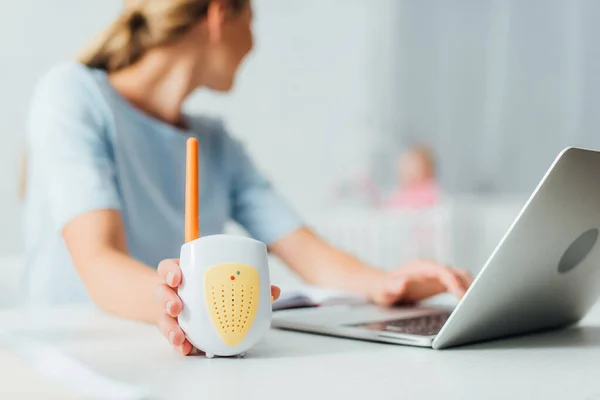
pixel 419 280
pixel 166 294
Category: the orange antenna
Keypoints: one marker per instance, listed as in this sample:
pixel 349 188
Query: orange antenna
pixel 192 229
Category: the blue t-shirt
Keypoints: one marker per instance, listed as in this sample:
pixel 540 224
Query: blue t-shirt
pixel 90 149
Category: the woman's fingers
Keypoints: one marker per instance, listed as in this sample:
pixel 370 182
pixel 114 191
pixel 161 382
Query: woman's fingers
pixel 169 300
pixel 169 272
pixel 167 323
pixel 186 348
pixel 454 280
pixel 393 289
pixel 451 281
pixel 465 277
pixel 170 329
pixel 275 292
pixel 166 295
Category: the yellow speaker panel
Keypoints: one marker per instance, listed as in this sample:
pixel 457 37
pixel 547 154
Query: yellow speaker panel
pixel 232 293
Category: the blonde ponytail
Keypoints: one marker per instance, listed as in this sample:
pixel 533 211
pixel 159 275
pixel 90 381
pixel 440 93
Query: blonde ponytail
pixel 142 26
pixel 121 45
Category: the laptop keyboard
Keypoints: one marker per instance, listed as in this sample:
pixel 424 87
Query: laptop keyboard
pixel 426 325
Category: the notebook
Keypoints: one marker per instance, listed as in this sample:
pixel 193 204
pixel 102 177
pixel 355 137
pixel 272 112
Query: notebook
pixel 311 296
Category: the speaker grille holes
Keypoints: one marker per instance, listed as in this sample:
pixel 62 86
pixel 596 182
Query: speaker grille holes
pixel 232 319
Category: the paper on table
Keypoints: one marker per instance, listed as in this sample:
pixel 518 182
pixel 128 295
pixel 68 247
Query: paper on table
pixel 311 296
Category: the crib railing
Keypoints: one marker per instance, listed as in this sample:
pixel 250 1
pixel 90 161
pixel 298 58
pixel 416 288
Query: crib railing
pixel 389 238
pixel 461 232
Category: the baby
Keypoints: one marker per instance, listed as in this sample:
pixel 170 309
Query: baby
pixel 417 185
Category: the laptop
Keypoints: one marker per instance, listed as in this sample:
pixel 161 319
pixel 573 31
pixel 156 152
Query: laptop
pixel 544 274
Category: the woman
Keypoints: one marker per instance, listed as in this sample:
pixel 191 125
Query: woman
pixel 105 198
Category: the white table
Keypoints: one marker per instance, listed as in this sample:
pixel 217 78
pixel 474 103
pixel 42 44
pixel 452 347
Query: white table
pixel 128 356
pixel 287 365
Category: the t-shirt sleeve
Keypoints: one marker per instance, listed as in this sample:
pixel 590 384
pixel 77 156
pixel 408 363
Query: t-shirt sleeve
pixel 68 151
pixel 257 206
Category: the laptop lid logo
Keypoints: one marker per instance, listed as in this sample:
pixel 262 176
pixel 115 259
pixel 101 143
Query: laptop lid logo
pixel 578 251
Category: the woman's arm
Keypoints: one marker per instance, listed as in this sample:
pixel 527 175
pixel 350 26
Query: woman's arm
pixel 69 150
pixel 321 264
pixel 116 282
pixel 122 286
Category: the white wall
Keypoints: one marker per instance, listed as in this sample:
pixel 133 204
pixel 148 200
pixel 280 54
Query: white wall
pixel 301 102
pixel 497 87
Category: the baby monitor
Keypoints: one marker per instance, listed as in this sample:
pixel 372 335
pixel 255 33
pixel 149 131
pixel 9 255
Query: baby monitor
pixel 226 289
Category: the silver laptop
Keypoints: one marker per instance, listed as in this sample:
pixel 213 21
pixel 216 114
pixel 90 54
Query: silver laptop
pixel 544 274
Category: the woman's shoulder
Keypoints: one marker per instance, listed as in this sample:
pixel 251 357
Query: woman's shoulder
pixel 71 86
pixel 66 75
pixel 68 86
pixel 66 96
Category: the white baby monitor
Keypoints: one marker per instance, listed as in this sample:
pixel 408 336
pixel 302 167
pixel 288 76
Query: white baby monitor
pixel 226 289
pixel 226 294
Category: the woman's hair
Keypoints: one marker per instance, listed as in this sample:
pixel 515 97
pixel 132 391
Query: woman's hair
pixel 145 24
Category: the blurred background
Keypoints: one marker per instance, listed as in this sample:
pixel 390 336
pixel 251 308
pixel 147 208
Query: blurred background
pixel 398 128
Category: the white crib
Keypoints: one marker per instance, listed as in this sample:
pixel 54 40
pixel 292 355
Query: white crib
pixel 459 231
pixel 388 238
